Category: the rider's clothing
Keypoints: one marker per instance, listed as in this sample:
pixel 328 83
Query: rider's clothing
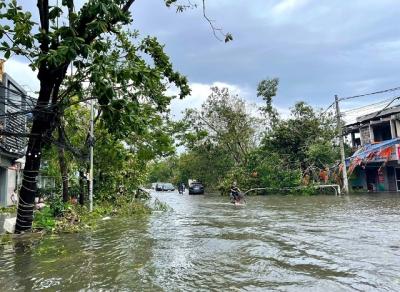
pixel 235 193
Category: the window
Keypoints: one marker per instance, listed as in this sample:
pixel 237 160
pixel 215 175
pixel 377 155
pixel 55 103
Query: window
pixel 382 132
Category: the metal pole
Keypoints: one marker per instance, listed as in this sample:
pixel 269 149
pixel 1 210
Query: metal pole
pixel 345 189
pixel 91 156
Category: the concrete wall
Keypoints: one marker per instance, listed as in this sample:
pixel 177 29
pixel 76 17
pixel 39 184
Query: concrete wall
pixel 8 180
pixel 11 185
pixel 365 135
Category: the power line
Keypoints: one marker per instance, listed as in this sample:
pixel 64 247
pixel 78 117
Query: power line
pixel 379 112
pixel 368 106
pixel 326 110
pixel 12 41
pixel 17 92
pixel 371 93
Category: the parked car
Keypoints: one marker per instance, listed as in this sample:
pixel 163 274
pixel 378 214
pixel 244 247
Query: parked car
pixel 196 188
pixel 161 187
pixel 169 187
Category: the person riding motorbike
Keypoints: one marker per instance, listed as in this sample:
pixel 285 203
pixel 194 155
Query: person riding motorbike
pixel 181 188
pixel 235 194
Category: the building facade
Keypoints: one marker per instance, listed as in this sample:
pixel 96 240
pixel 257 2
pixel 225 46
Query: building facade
pixel 375 164
pixel 12 144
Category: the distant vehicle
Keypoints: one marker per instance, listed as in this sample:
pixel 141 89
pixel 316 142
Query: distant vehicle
pixel 164 187
pixel 196 188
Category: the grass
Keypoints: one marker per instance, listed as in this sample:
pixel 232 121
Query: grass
pixel 76 218
pixel 8 210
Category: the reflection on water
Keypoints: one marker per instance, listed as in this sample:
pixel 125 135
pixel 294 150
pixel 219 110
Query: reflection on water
pixel 205 244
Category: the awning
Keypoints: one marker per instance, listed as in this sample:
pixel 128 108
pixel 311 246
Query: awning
pixel 368 149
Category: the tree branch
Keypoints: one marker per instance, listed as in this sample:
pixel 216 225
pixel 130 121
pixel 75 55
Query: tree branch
pixel 227 36
pixel 127 5
pixel 43 6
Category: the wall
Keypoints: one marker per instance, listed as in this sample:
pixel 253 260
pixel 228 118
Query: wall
pixel 11 185
pixel 365 135
pixel 15 100
pixel 12 100
pixel 3 186
pixel 8 176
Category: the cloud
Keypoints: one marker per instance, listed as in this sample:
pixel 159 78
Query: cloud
pixel 286 6
pixel 316 48
pixel 199 94
pixel 23 74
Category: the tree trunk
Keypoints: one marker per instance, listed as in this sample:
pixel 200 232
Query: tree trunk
pixel 63 164
pixel 41 124
pixel 44 121
pixel 81 188
pixel 31 171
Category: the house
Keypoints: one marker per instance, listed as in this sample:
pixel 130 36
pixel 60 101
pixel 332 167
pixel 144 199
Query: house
pixel 12 145
pixel 375 164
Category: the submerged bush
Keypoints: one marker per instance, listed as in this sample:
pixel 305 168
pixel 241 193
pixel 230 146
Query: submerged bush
pixel 44 219
pixel 65 217
pixel 270 172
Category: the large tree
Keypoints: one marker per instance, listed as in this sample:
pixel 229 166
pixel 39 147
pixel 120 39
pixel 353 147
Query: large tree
pixel 218 136
pixel 109 63
pixel 224 121
pixel 305 138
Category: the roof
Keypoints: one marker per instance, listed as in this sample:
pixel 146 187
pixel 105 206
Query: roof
pixel 379 114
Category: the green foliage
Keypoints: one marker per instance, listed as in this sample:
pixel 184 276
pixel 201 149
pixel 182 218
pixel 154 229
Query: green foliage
pixel 128 75
pixel 75 218
pixel 162 171
pixel 304 138
pixel 56 205
pixel 321 153
pixel 5 239
pixel 223 122
pixel 8 210
pixel 218 136
pixel 222 145
pixel 160 206
pixel 267 89
pixel 44 219
pixel 273 172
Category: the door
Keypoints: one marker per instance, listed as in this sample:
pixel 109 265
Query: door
pixel 372 178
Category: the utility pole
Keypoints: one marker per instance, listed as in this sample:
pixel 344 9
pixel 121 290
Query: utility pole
pixel 91 156
pixel 345 189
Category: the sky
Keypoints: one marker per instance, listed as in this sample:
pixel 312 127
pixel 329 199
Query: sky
pixel 317 48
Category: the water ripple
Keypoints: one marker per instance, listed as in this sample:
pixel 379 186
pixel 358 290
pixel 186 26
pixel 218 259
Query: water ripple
pixel 206 244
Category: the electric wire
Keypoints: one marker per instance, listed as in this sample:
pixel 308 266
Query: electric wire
pixel 369 106
pixel 371 93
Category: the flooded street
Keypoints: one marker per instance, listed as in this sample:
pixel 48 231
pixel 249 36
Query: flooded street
pixel 274 243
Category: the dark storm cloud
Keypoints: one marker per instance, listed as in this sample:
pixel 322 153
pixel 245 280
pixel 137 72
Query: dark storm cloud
pixel 316 48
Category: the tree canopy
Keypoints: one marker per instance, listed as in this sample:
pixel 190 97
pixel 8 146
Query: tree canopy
pixel 126 73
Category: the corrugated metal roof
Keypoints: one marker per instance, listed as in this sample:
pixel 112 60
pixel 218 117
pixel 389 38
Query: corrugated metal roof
pixel 379 114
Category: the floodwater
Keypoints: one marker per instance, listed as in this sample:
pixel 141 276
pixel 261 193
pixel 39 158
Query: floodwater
pixel 274 243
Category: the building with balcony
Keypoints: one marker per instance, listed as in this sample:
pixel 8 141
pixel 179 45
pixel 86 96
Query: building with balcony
pixel 375 137
pixel 12 144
